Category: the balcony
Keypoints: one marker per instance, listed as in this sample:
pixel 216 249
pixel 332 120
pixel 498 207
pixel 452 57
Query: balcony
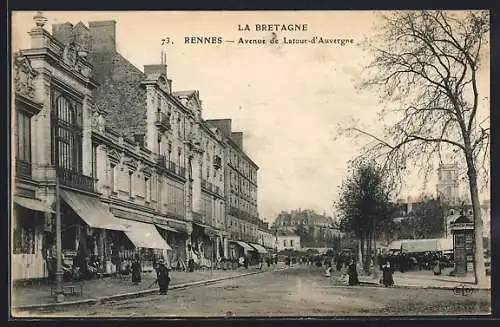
pixel 75 179
pixel 217 162
pixel 162 161
pixel 162 121
pixel 23 168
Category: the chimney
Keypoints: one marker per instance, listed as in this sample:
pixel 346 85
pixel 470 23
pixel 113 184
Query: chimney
pixel 224 125
pixel 63 32
pixel 103 35
pixel 155 69
pixel 238 139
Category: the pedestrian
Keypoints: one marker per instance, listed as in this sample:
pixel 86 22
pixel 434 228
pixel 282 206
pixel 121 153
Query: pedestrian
pixel 136 270
pixel 437 268
pixel 353 273
pixel 162 277
pixel 387 272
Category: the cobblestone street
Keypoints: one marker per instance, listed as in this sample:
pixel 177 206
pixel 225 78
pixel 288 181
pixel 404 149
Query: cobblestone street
pixel 302 291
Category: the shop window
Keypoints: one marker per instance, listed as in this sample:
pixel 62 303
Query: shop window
pixel 24 241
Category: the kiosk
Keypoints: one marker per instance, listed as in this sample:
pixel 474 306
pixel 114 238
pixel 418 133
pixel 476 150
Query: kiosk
pixel 463 245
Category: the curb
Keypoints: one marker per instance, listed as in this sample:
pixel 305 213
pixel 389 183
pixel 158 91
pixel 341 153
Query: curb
pixel 450 288
pixel 134 294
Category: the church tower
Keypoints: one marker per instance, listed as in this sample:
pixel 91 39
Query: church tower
pixel 448 184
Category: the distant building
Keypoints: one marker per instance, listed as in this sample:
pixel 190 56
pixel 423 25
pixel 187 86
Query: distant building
pixel 316 230
pixel 288 241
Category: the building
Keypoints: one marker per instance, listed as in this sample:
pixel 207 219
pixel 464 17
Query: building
pixel 288 241
pixel 242 217
pixel 52 105
pixel 447 187
pixel 137 167
pixel 266 236
pixel 315 230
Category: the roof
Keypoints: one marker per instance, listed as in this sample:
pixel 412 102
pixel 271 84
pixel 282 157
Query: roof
pixel 287 233
pixel 422 245
pixel 184 94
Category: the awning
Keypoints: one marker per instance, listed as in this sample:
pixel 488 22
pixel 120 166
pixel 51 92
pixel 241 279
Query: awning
pixel 32 204
pixel 207 229
pixel 244 245
pixel 144 235
pixel 95 213
pixel 259 248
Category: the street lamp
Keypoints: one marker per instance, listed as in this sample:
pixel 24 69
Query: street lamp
pixel 59 271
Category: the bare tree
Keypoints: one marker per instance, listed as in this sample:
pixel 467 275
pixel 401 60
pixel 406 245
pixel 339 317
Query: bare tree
pixel 427 63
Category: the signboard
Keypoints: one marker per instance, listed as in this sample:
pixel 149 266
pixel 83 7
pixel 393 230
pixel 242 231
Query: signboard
pixel 461 226
pixel 130 215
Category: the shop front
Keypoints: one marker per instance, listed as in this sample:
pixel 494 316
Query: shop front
pixel 176 239
pixel 30 224
pixel 240 249
pixel 147 242
pixel 204 245
pixel 90 234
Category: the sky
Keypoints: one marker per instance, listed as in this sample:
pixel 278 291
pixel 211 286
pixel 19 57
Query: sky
pixel 288 100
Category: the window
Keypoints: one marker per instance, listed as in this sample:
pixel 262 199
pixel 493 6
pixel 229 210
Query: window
pixel 284 243
pixel 24 241
pixel 131 183
pixel 23 137
pixel 148 189
pixel 94 161
pixel 23 144
pixel 291 243
pixel 67 135
pixel 112 177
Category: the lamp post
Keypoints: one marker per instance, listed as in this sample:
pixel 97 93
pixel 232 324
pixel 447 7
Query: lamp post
pixel 59 271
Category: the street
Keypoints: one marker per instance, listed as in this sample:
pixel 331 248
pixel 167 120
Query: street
pixel 299 291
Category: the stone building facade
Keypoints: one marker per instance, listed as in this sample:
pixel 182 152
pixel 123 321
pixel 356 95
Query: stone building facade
pixel 139 170
pixel 242 218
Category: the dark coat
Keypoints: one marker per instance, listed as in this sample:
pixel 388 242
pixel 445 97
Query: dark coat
pixel 163 278
pixel 136 272
pixel 353 274
pixel 387 279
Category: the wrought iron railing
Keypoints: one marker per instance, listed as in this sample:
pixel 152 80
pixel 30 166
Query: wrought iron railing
pixel 23 168
pixel 162 121
pixel 75 179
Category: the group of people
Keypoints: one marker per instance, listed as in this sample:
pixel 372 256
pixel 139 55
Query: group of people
pixel 162 271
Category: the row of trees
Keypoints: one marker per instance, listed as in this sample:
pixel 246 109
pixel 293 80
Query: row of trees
pixel 425 66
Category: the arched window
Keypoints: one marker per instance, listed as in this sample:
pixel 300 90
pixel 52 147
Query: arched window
pixel 67 134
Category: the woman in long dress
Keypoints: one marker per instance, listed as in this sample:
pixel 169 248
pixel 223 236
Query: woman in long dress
pixel 353 273
pixel 163 277
pixel 387 272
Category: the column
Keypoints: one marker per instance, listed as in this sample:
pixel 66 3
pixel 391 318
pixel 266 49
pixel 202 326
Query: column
pixel 41 142
pixel 226 247
pixel 196 162
pixel 86 137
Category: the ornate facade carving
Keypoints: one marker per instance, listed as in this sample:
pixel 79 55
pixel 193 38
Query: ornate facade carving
pixel 24 76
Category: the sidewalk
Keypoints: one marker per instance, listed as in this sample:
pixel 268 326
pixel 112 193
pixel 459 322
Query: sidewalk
pixel 426 279
pixel 110 287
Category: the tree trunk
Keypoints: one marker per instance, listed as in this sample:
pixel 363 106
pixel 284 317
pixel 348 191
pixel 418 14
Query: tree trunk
pixel 479 267
pixel 360 254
